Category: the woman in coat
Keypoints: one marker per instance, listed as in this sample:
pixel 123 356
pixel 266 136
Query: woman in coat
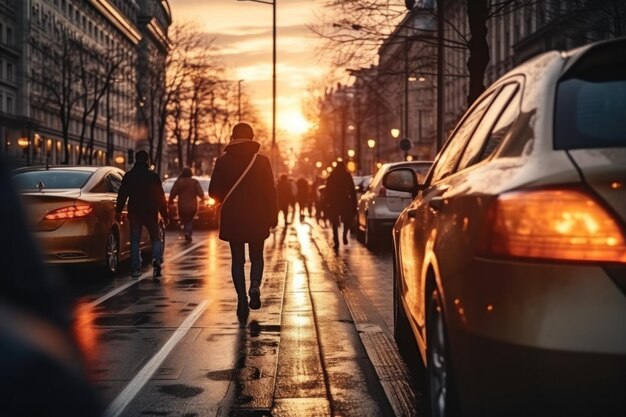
pixel 249 209
pixel 188 190
pixel 341 201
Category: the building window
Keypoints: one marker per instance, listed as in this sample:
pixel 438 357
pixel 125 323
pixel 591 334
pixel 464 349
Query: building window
pixel 9 71
pixel 1 102
pixel 9 39
pixel 9 104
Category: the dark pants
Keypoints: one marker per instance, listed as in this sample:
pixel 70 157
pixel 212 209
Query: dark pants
pixel 186 218
pixel 237 250
pixel 136 224
pixel 346 219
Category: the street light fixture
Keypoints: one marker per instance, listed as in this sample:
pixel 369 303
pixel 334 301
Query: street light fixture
pixel 371 143
pixel 395 133
pixel 273 4
pixel 351 153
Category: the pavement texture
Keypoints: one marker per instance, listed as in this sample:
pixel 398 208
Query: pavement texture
pixel 319 346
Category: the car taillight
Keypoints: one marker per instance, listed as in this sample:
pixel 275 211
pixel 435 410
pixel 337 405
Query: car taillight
pixel 553 224
pixel 382 192
pixel 71 212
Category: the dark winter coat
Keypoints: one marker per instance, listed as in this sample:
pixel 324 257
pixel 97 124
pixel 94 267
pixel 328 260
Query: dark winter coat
pixel 144 192
pixel 251 209
pixel 285 193
pixel 303 191
pixel 340 195
pixel 188 190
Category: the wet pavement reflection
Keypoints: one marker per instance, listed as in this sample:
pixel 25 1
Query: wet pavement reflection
pixel 176 347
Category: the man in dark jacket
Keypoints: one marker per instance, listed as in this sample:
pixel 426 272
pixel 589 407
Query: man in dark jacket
pixel 248 209
pixel 146 199
pixel 188 190
pixel 341 201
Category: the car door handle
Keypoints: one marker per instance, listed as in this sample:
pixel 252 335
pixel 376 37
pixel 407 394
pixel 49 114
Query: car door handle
pixel 436 203
pixel 411 213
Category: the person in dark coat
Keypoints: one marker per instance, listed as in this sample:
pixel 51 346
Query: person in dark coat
pixel 188 190
pixel 302 196
pixel 249 212
pixel 146 199
pixel 283 188
pixel 341 201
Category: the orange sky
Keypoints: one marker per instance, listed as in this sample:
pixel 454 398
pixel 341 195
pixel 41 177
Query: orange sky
pixel 243 32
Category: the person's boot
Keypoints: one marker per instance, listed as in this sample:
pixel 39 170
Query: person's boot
pixel 136 273
pixel 255 297
pixel 156 269
pixel 188 238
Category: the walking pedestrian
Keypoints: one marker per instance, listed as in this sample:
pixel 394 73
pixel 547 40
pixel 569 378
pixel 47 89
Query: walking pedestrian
pixel 188 190
pixel 341 201
pixel 146 199
pixel 243 184
pixel 302 196
pixel 283 188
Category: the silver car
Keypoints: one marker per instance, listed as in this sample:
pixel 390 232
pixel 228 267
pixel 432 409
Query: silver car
pixel 378 207
pixel 510 262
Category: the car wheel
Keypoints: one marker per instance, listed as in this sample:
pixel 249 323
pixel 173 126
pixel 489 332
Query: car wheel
pixel 371 238
pixel 112 257
pixel 441 397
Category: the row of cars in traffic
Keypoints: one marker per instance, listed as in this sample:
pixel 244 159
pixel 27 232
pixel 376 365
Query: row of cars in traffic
pixel 72 214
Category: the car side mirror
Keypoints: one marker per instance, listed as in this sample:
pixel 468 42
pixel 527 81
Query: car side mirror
pixel 401 179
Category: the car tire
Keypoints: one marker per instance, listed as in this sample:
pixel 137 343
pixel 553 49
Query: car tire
pixel 112 253
pixel 371 235
pixel 404 337
pixel 441 398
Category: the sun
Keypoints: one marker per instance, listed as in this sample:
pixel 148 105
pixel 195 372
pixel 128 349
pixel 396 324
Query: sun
pixel 295 123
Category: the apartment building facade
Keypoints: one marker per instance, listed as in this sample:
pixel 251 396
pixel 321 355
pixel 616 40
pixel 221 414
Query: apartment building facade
pixel 72 94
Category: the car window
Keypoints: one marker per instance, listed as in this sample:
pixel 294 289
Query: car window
pixel 378 178
pixel 446 162
pixel 51 179
pixel 168 184
pixel 474 151
pixel 113 183
pixel 591 103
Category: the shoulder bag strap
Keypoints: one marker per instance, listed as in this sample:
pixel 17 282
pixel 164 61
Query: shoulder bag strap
pixel 240 178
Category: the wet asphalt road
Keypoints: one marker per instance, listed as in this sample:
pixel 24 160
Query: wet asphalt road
pixel 320 345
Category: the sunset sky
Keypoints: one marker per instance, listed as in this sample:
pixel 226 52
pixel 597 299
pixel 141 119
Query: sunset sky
pixel 243 32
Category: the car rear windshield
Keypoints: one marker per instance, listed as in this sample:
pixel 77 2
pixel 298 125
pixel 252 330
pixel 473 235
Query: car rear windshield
pixel 32 180
pixel 591 103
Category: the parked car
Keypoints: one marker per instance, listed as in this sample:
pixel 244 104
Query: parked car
pixel 378 207
pixel 72 213
pixel 207 209
pixel 510 263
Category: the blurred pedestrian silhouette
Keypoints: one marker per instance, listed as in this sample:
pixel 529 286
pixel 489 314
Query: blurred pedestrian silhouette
pixel 243 184
pixel 284 192
pixel 146 199
pixel 341 201
pixel 40 366
pixel 188 190
pixel 302 196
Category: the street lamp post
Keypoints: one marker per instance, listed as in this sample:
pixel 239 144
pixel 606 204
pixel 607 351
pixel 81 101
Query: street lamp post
pixel 371 143
pixel 273 4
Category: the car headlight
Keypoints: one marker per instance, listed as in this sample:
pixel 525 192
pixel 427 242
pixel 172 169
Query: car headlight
pixel 209 202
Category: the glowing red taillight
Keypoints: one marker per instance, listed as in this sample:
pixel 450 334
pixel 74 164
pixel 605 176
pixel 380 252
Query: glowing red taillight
pixel 553 224
pixel 72 212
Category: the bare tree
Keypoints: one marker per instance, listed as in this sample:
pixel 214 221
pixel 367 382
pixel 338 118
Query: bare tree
pixel 99 69
pixel 56 78
pixel 354 30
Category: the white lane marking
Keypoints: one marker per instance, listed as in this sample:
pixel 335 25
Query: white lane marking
pixel 134 386
pixel 121 288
